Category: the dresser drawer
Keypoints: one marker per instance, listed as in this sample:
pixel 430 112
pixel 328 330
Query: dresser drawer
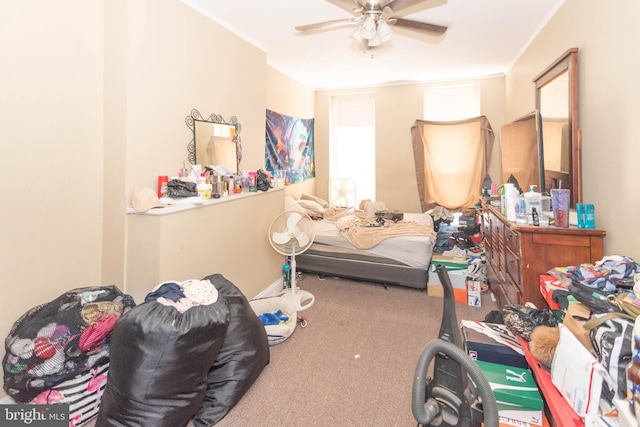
pixel 512 265
pixel 512 293
pixel 512 240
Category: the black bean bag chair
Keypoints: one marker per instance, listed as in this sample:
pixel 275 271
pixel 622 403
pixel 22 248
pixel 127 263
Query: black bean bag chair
pixel 243 356
pixel 160 359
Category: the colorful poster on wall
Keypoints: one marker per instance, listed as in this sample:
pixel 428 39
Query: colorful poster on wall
pixel 289 147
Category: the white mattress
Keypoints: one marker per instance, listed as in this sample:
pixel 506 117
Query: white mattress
pixel 414 251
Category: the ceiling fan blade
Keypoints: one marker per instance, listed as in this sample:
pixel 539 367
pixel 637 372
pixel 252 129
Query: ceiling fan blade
pixel 348 5
pixel 417 25
pixel 326 24
pixel 398 5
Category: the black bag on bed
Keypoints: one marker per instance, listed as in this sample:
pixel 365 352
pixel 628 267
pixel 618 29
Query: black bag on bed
pixel 242 358
pixel 159 363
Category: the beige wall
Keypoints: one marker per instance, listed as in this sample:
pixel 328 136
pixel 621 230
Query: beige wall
pixel 51 104
pixel 94 100
pixel 397 108
pixel 605 33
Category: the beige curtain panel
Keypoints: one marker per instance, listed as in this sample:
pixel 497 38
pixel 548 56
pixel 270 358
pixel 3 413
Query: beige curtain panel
pixel 451 161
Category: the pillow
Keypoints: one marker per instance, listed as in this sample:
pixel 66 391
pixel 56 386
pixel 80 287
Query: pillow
pixel 318 200
pixel 291 205
pixel 311 207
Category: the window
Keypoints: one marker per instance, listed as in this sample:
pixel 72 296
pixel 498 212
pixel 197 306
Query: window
pixel 352 150
pixel 448 103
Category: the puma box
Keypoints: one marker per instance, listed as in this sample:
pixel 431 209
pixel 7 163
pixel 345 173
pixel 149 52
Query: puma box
pixel 491 342
pixel 516 392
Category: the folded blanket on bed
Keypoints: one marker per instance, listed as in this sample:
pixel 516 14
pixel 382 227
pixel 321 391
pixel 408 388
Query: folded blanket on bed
pixel 350 225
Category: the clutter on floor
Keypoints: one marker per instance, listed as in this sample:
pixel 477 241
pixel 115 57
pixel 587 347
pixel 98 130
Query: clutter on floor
pixel 278 315
pixel 581 350
pixel 59 351
pixel 189 352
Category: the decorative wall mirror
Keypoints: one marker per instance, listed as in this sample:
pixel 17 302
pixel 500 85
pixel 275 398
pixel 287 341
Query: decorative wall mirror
pixel 215 142
pixel 557 101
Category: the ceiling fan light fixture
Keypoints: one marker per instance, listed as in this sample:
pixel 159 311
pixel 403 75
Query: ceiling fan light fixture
pixel 368 28
pixel 374 41
pixel 356 34
pixel 384 32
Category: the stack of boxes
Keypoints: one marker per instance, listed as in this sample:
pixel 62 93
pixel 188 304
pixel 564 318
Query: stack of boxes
pixel 465 291
pixel 457 269
pixel 501 359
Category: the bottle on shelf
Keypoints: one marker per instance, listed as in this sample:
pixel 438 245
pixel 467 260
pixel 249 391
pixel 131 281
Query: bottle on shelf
pixel 535 217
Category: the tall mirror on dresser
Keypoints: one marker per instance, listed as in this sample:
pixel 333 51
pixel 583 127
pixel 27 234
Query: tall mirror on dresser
pixel 557 100
pixel 517 254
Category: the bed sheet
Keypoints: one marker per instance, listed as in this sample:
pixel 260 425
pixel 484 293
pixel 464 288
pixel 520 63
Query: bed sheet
pixel 414 251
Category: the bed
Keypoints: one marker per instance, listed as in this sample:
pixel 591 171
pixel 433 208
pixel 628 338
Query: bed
pixel 402 260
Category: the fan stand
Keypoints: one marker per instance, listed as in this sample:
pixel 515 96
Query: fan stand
pixel 300 299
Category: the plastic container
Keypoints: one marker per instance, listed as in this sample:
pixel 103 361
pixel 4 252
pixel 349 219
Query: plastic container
pixel 589 216
pixel 203 188
pixel 580 213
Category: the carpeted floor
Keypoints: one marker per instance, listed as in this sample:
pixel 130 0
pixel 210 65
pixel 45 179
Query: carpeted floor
pixel 353 365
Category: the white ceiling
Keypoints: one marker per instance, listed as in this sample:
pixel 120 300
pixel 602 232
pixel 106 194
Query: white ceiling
pixel 484 38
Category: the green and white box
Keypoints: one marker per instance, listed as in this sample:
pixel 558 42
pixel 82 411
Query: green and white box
pixel 516 392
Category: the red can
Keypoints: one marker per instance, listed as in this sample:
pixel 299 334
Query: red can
pixel 163 180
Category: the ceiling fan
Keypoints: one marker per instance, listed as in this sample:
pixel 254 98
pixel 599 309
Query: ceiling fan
pixel 373 19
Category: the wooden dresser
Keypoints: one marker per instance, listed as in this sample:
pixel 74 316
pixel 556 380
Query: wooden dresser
pixel 517 255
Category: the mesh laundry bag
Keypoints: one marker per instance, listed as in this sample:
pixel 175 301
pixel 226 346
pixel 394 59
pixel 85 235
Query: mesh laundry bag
pixel 159 363
pixel 242 358
pixel 61 339
pixel 82 393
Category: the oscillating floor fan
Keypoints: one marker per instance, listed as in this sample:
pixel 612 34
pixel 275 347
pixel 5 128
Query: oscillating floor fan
pixel 290 234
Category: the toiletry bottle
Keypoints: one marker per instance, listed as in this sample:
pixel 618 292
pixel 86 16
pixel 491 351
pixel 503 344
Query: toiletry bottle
pixel 534 215
pixel 589 216
pixel 231 186
pixel 580 213
pixel 203 189
pixel 286 276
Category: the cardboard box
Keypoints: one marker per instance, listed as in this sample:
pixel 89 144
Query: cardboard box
pixel 474 293
pixel 577 374
pixel 505 422
pixel 458 277
pixel 452 263
pixel 516 392
pixel 490 342
pixel 436 290
pixel 548 284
